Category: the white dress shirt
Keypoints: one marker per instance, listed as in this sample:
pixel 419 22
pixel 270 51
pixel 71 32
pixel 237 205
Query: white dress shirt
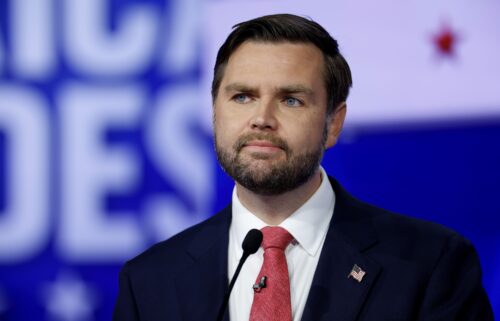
pixel 308 225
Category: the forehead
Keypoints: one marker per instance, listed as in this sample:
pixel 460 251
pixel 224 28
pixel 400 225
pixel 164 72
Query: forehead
pixel 281 62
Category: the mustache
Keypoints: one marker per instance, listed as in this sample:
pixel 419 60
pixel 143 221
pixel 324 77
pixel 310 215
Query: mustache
pixel 244 139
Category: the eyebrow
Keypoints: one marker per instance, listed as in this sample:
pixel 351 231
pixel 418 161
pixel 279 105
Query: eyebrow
pixel 295 89
pixel 239 87
pixel 288 89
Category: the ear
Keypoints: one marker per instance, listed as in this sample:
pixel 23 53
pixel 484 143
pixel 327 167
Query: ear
pixel 334 125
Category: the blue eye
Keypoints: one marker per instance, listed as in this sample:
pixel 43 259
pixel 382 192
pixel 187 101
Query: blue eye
pixel 292 102
pixel 241 98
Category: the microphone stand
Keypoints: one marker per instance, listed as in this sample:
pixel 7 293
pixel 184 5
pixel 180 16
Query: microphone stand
pixel 250 245
pixel 223 307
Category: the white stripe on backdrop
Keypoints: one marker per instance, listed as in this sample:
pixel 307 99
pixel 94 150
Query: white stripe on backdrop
pixel 401 74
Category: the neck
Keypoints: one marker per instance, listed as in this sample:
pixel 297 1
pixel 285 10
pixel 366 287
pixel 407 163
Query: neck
pixel 275 209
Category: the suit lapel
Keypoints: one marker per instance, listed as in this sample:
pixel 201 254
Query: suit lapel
pixel 201 288
pixel 334 295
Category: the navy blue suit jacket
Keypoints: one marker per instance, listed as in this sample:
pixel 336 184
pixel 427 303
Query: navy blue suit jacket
pixel 415 270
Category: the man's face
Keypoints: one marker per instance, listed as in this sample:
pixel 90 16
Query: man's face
pixel 270 120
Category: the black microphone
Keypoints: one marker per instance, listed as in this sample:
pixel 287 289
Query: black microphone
pixel 250 245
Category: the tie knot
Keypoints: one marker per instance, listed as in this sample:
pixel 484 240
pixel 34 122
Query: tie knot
pixel 275 236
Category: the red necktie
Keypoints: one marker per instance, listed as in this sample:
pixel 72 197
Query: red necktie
pixel 271 300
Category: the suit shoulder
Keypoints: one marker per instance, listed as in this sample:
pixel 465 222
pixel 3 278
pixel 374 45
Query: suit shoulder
pixel 398 235
pixel 413 237
pixel 387 223
pixel 400 226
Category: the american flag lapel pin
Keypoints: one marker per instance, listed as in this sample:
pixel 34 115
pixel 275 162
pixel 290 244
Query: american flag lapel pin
pixel 357 273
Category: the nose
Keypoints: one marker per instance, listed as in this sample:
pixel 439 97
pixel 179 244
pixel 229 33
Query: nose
pixel 264 117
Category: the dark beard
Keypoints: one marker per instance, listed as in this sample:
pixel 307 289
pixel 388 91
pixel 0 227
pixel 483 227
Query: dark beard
pixel 277 178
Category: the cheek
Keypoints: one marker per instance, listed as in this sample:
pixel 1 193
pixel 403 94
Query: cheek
pixel 225 131
pixel 309 135
pixel 230 123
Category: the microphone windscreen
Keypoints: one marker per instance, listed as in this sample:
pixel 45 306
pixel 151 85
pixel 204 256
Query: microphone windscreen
pixel 252 241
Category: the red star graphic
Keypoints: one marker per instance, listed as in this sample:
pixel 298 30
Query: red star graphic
pixel 446 41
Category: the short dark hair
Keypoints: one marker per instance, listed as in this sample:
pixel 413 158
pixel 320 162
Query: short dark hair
pixel 290 28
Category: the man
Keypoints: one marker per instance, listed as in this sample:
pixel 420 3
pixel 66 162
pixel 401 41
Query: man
pixel 279 92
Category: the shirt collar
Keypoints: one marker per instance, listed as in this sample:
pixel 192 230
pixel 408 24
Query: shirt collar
pixel 308 224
